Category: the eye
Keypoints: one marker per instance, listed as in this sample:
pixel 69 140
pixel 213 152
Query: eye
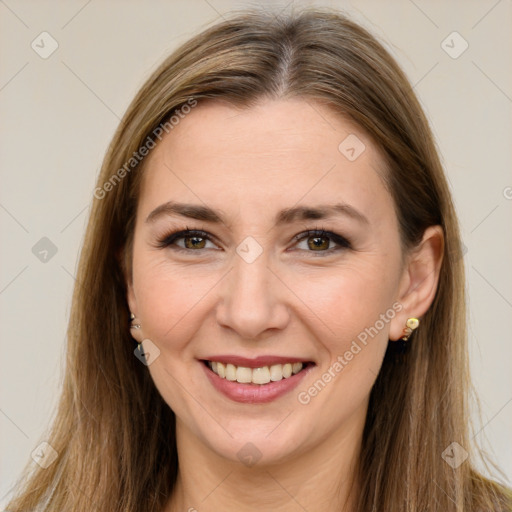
pixel 319 240
pixel 316 240
pixel 187 240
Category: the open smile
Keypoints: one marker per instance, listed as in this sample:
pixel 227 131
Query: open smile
pixel 255 384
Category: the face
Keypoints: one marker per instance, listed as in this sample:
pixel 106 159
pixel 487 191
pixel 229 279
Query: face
pixel 266 270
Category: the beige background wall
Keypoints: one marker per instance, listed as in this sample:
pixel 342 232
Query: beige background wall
pixel 58 114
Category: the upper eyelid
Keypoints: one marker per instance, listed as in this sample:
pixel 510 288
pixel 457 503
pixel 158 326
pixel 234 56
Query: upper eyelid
pixel 185 233
pixel 181 234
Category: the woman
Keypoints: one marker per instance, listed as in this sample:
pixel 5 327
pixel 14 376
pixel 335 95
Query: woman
pixel 270 307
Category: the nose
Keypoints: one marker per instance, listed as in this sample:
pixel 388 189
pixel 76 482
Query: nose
pixel 252 300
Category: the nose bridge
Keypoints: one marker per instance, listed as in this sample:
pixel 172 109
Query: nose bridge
pixel 252 301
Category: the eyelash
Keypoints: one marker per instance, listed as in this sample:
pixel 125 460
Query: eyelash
pixel 168 240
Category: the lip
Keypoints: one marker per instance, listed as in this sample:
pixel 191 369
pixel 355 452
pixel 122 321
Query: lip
pixel 255 362
pixel 255 393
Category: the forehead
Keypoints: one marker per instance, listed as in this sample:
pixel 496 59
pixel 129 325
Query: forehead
pixel 278 153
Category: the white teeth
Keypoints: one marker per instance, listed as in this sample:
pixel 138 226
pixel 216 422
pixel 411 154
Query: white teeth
pixel 262 375
pixel 276 372
pixel 230 372
pixel 243 375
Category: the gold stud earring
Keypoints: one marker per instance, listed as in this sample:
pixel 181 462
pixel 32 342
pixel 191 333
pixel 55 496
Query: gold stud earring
pixel 410 326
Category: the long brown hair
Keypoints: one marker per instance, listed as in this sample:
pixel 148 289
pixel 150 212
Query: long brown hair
pixel 113 432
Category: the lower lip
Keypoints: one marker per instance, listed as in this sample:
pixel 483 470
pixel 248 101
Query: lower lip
pixel 255 393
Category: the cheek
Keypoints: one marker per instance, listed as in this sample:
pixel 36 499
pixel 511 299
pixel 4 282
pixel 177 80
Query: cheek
pixel 349 302
pixel 173 305
pixel 355 316
pixel 170 299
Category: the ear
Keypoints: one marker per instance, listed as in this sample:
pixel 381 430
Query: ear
pixel 130 297
pixel 136 334
pixel 126 270
pixel 420 277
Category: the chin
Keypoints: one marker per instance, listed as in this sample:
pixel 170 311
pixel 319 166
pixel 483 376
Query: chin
pixel 253 441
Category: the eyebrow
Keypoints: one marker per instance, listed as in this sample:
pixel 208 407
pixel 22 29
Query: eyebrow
pixel 285 216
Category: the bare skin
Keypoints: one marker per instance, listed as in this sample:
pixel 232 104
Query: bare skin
pixel 309 299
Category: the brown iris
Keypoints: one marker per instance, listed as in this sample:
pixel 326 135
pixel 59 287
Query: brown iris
pixel 194 242
pixel 318 242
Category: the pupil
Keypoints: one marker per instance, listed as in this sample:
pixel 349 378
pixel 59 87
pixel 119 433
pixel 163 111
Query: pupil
pixel 319 243
pixel 194 242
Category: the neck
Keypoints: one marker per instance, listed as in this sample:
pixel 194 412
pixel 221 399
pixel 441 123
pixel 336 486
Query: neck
pixel 318 480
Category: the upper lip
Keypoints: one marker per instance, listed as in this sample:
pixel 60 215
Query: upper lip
pixel 255 362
